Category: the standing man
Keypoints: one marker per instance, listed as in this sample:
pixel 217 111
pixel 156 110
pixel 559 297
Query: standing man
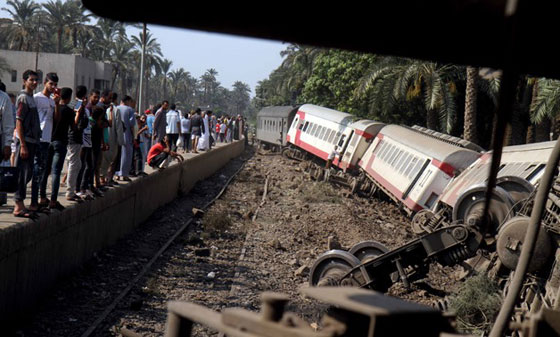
pixel 129 121
pixel 47 107
pixel 112 157
pixel 6 129
pixel 159 126
pixel 63 120
pixel 75 140
pixel 186 131
pixel 28 131
pixel 197 128
pixel 150 123
pixel 173 126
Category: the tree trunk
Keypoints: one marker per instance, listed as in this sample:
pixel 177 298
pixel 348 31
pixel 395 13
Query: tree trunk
pixel 469 131
pixel 432 120
pixel 58 40
pixel 542 131
pixel 530 134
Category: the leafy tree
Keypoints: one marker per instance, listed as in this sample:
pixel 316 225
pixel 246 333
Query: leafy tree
pixel 333 80
pixel 20 33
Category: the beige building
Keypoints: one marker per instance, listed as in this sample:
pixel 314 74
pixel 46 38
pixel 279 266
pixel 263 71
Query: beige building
pixel 72 70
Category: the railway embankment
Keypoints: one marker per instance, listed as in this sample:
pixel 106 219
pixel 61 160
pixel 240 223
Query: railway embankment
pixel 35 254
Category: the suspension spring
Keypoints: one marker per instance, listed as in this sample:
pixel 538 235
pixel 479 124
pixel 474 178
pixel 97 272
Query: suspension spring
pixel 456 255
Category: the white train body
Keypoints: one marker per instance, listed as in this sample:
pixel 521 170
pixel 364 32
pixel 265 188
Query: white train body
pixel 413 168
pixel 318 130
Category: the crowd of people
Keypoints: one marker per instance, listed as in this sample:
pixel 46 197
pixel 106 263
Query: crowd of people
pixel 103 140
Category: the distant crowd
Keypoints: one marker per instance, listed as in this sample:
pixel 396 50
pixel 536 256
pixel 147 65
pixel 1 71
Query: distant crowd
pixel 103 140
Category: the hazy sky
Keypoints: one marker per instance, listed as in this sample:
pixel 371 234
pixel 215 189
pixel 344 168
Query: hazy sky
pixel 235 58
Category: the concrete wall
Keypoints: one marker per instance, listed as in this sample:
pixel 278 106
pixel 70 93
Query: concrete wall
pixel 33 255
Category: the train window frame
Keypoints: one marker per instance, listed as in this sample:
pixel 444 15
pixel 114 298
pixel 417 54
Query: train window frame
pixel 326 135
pixel 300 126
pixel 381 149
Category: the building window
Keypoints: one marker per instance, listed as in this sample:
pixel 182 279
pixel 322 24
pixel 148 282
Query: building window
pixel 14 75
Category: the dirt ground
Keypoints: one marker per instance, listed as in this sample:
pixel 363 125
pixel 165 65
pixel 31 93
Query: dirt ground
pixel 228 259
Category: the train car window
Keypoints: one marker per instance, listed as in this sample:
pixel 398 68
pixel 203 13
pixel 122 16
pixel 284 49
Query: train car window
pixel 326 135
pixel 416 169
pixel 294 123
pixel 397 157
pixel 383 149
pixel 341 141
pixel 410 166
pixel 399 166
pixel 534 173
pixel 393 155
pixel 389 152
pixel 317 130
pixel 331 136
pixel 300 125
pixel 321 132
pixel 405 164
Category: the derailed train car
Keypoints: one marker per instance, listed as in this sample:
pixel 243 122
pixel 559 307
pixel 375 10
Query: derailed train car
pixel 273 123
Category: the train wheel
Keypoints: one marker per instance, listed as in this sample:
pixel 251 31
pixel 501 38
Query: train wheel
pixel 469 207
pixel 517 187
pixel 419 220
pixel 367 250
pixel 330 267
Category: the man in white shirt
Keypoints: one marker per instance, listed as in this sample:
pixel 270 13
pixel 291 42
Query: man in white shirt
pixel 332 155
pixel 173 126
pixel 46 107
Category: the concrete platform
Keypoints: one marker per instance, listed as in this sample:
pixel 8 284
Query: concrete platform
pixel 34 254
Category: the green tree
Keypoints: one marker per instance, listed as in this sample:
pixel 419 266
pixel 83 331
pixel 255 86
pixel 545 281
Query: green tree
pixel 20 34
pixel 240 98
pixel 333 80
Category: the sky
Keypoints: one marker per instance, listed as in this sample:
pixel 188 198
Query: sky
pixel 235 58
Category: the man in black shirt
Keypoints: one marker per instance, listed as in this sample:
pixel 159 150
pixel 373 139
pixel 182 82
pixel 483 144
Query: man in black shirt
pixel 57 148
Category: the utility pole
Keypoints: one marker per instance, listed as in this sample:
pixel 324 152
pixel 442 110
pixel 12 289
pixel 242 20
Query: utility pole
pixel 141 90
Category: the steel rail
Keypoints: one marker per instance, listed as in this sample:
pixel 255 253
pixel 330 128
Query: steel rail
pixel 148 265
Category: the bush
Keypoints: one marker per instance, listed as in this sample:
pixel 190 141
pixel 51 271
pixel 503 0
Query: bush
pixel 476 304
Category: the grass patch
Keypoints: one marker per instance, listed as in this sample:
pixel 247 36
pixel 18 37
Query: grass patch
pixel 476 304
pixel 318 192
pixel 216 223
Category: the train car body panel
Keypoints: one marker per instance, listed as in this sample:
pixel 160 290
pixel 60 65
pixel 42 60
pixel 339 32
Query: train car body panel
pixel 363 136
pixel 317 130
pixel 273 123
pixel 524 161
pixel 414 168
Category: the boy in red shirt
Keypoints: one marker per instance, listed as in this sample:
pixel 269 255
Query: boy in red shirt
pixel 160 154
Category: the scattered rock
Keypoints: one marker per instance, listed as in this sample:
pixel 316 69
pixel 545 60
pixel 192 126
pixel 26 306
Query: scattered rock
pixel 302 271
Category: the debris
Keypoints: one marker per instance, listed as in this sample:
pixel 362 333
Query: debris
pixel 211 275
pixel 202 252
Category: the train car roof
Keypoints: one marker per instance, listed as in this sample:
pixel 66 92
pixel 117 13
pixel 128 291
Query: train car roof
pixel 493 33
pixel 277 111
pixel 363 124
pixel 456 156
pixel 327 114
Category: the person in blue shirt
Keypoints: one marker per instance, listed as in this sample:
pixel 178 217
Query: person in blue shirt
pixel 150 117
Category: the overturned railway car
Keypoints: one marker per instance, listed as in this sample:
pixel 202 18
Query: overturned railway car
pixel 273 123
pixel 414 168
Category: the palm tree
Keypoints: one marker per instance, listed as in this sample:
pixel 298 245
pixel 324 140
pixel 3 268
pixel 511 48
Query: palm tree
pixel 298 66
pixel 77 17
pixel 209 85
pixel 165 68
pixel 545 107
pixel 20 33
pixel 469 128
pixel 177 77
pixel 152 57
pixel 240 97
pixel 120 59
pixel 58 19
pixel 392 80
